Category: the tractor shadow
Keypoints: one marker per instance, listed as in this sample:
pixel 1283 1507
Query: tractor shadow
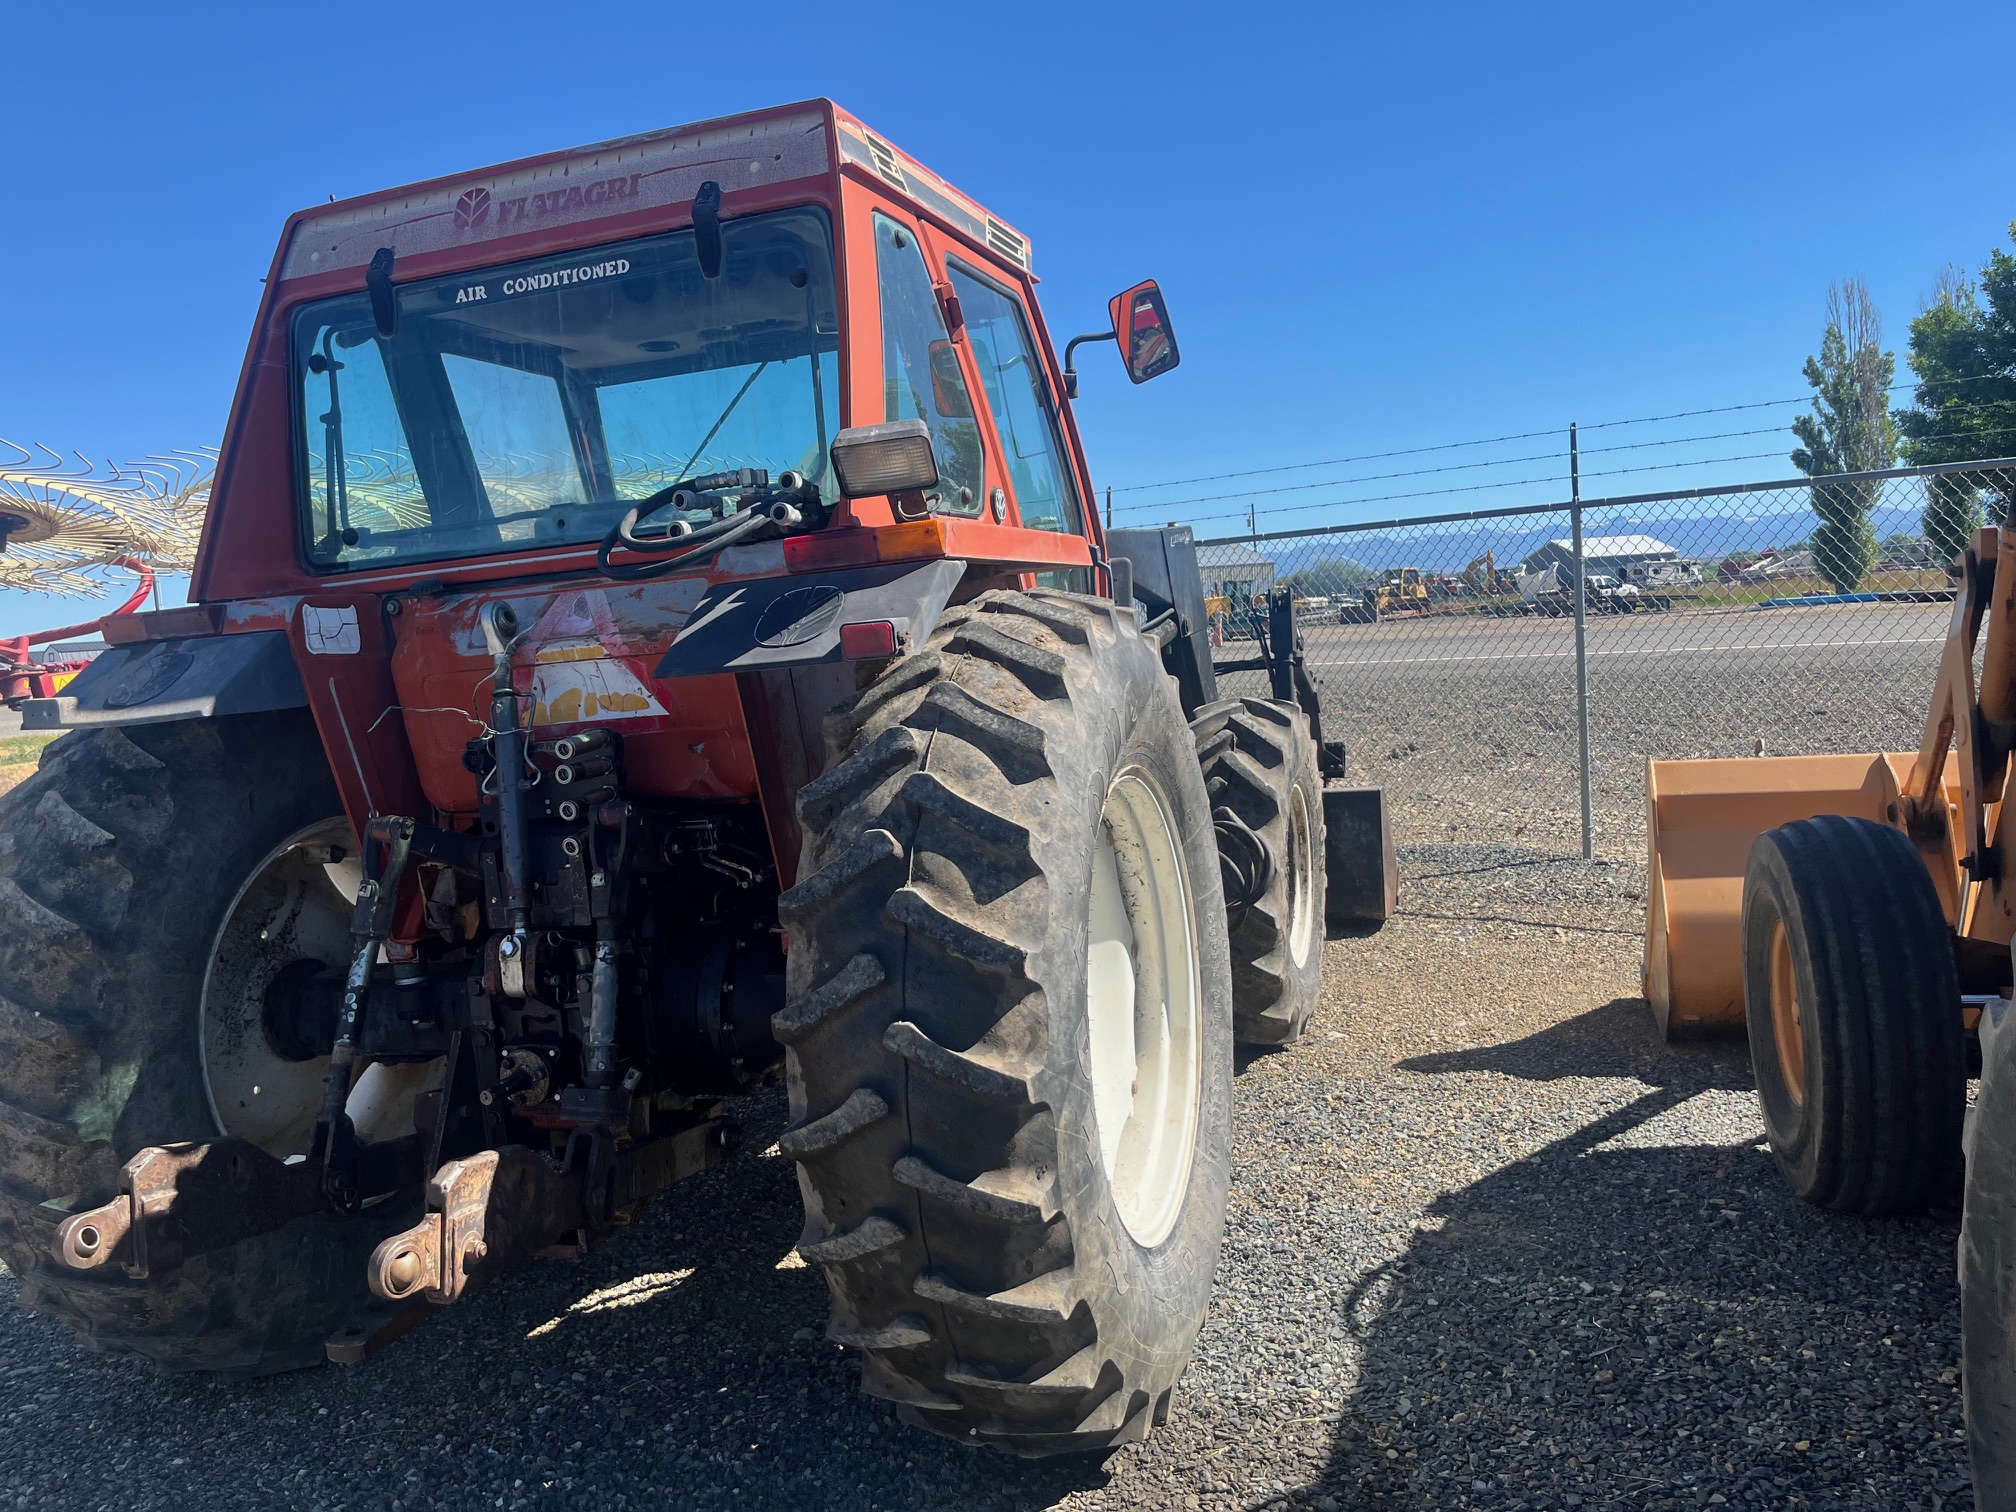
pixel 1618 1039
pixel 1641 1313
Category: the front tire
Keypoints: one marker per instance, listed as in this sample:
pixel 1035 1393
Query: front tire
pixel 1853 1005
pixel 1008 937
pixel 1268 775
pixel 119 861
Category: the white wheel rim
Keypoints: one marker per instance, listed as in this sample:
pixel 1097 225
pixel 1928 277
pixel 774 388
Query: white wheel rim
pixel 1143 1008
pixel 295 904
pixel 1301 877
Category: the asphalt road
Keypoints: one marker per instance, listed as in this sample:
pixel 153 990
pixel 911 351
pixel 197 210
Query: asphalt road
pixel 1470 722
pixel 1461 639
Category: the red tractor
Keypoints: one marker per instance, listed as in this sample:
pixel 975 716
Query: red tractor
pixel 652 633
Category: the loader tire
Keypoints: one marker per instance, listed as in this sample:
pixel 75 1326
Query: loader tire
pixel 1270 779
pixel 1853 1005
pixel 959 982
pixel 1988 1270
pixel 118 860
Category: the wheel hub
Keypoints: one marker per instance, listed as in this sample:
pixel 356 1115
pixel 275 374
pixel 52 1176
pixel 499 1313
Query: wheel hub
pixel 1787 1032
pixel 290 919
pixel 1143 1008
pixel 1301 864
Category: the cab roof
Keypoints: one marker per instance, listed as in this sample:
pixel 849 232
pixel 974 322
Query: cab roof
pixel 558 191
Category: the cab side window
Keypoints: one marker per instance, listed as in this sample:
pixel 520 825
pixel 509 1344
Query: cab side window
pixel 1005 353
pixel 921 379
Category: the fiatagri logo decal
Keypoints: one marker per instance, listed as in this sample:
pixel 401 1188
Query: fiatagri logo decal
pixel 473 208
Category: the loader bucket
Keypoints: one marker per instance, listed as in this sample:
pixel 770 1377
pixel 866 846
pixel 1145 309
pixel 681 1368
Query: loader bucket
pixel 1700 818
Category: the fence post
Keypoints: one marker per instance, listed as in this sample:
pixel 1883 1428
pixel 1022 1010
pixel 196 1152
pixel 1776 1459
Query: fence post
pixel 1581 637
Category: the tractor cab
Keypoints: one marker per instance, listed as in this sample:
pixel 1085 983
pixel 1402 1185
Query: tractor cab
pixel 637 370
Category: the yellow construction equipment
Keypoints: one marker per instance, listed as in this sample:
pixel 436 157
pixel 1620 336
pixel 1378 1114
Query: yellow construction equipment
pixel 1855 913
pixel 1400 590
pixel 1485 577
pixel 1704 820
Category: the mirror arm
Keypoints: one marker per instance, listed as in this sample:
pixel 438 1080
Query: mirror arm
pixel 1070 372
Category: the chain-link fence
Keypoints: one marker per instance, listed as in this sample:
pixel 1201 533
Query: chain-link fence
pixel 1715 622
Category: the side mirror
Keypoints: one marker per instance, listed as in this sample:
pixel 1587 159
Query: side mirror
pixel 894 459
pixel 1141 325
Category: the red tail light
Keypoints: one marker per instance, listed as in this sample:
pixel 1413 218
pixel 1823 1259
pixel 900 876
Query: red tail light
pixel 867 640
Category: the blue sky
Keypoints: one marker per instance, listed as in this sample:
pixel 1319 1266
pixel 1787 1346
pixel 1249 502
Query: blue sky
pixel 1378 227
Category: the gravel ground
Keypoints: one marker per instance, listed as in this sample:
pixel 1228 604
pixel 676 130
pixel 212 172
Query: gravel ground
pixel 1491 1245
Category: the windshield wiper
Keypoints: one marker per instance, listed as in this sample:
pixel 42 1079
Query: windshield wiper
pixel 335 472
pixel 384 303
pixel 715 429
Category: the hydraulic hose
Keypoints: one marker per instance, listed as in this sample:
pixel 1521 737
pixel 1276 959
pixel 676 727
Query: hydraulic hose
pixel 675 532
pixel 701 544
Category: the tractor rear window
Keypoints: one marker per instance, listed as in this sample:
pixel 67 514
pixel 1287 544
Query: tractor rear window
pixel 531 404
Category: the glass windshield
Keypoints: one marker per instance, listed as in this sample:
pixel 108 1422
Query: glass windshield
pixel 531 404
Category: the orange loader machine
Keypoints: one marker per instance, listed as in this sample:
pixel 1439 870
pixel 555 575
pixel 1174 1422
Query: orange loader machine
pixel 1855 915
pixel 653 636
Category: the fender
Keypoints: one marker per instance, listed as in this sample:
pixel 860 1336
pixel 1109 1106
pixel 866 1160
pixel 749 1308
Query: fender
pixel 755 625
pixel 202 677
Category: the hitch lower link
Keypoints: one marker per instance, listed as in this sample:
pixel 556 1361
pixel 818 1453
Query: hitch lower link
pixel 489 1212
pixel 185 1199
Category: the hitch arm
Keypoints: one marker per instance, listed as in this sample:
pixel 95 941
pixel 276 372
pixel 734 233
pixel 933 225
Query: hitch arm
pixel 187 1199
pixel 180 1200
pixel 388 845
pixel 490 1212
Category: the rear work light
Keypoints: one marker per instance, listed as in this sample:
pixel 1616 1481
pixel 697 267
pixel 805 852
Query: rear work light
pixel 867 640
pixel 895 458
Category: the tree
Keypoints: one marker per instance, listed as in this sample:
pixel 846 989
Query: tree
pixel 1963 354
pixel 1850 430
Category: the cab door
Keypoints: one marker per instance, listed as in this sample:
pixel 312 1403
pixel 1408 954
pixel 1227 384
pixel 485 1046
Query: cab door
pixel 1013 373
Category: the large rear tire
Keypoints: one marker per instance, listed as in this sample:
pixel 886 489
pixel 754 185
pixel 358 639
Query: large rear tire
pixel 1269 777
pixel 119 862
pixel 1853 1004
pixel 1988 1270
pixel 1009 1029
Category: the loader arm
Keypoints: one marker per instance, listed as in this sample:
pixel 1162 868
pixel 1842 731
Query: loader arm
pixel 1980 724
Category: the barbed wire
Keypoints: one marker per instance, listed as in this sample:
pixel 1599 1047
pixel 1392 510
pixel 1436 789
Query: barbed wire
pixel 1508 482
pixel 1611 472
pixel 1557 430
pixel 1422 472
